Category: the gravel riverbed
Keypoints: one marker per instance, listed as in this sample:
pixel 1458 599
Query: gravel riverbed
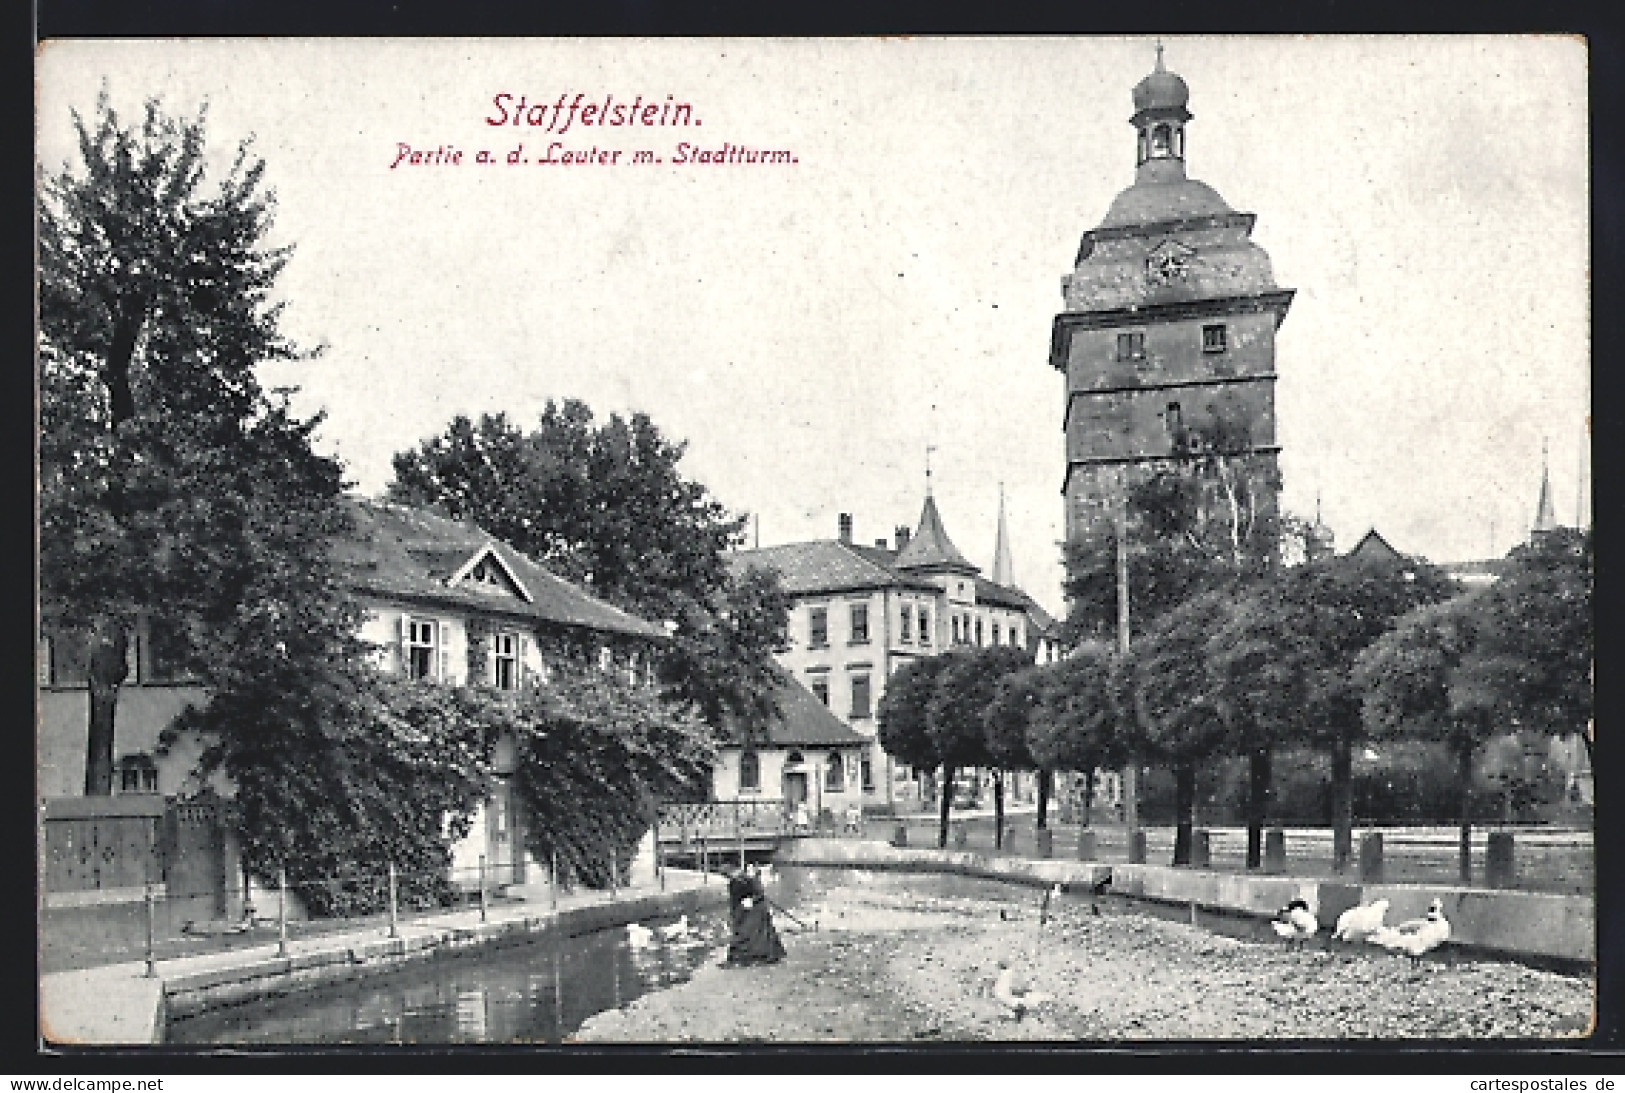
pixel 887 966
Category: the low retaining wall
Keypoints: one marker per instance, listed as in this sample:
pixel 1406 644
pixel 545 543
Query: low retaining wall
pixel 1524 924
pixel 188 994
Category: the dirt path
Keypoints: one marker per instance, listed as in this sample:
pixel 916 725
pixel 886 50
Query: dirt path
pixel 885 966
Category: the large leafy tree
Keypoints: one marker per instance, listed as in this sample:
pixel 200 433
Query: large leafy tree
pixel 1079 723
pixel 1004 714
pixel 1282 667
pixel 1178 715
pixel 606 504
pixel 170 480
pixel 1435 677
pixel 903 717
pixel 1017 706
pixel 956 713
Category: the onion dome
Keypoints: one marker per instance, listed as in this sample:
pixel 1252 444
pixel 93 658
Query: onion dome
pixel 1162 90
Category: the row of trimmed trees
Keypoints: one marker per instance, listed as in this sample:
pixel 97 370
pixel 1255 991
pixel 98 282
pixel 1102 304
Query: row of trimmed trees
pixel 1325 655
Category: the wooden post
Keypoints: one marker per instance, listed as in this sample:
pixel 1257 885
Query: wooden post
pixel 739 833
pixel 660 861
pixel 482 887
pixel 553 880
pixel 152 932
pixel 705 858
pixel 394 920
pixel 614 874
pixel 282 910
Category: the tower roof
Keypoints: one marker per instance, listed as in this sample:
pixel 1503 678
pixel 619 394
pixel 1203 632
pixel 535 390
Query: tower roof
pixel 1003 568
pixel 1545 516
pixel 930 547
pixel 1161 91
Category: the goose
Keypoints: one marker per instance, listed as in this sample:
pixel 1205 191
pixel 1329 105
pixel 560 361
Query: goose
pixel 1295 922
pixel 1359 923
pixel 676 930
pixel 1015 993
pixel 1096 890
pixel 638 936
pixel 1043 908
pixel 1416 937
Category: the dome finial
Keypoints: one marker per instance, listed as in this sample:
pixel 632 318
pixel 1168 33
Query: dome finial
pixel 1159 56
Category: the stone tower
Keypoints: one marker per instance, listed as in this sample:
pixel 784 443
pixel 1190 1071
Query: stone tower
pixel 1169 322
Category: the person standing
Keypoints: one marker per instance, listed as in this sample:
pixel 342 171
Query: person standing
pixel 754 940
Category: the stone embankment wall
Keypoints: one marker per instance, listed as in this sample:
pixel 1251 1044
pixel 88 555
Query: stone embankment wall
pixel 1521 924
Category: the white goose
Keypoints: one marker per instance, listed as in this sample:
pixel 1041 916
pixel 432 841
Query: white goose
pixel 638 936
pixel 1295 922
pixel 1416 937
pixel 1359 923
pixel 676 931
pixel 1015 993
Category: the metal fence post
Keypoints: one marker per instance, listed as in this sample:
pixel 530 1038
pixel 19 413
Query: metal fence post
pixel 482 887
pixel 282 910
pixel 152 932
pixel 394 923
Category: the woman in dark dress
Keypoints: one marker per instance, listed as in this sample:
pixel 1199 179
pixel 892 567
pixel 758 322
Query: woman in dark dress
pixel 754 940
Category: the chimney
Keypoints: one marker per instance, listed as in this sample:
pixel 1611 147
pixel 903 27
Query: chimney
pixel 882 544
pixel 902 533
pixel 846 527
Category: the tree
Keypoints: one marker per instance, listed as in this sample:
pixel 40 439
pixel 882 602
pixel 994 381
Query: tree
pixel 1432 678
pixel 1177 714
pixel 167 475
pixel 1078 725
pixel 904 723
pixel 955 714
pixel 1539 624
pixel 1017 707
pixel 1004 722
pixel 607 505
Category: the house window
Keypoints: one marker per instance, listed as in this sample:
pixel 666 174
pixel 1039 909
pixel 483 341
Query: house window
pixel 1131 347
pixel 818 627
pixel 860 696
pixel 137 773
pixel 978 631
pixel 925 627
pixel 860 624
pixel 868 773
pixel 835 774
pixel 905 631
pixel 421 649
pixel 820 689
pixel 995 632
pixel 956 629
pixel 750 771
pixel 505 664
pixel 1213 339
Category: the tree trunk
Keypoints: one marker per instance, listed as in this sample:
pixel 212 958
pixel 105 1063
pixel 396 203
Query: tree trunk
pixel 108 669
pixel 1342 802
pixel 1088 794
pixel 1258 789
pixel 998 809
pixel 1045 779
pixel 1464 797
pixel 1184 811
pixel 944 803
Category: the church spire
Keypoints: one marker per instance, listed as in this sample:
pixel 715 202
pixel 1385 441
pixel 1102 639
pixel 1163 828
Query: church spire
pixel 1545 518
pixel 1003 570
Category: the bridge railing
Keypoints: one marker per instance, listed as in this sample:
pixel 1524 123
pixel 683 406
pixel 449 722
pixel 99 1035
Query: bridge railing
pixel 720 821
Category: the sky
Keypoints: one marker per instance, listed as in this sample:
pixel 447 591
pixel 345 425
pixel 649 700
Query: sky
pixel 812 328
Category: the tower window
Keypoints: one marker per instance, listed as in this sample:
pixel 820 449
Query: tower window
pixel 1172 418
pixel 1213 338
pixel 1131 347
pixel 1161 141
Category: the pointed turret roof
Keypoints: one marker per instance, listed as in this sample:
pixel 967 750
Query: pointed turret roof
pixel 930 547
pixel 1545 517
pixel 1003 568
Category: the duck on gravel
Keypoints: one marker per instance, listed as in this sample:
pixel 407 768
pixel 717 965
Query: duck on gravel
pixel 638 936
pixel 1014 992
pixel 1295 922
pixel 1359 923
pixel 676 931
pixel 1416 937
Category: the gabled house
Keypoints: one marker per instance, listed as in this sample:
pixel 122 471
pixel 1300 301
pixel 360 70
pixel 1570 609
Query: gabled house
pixel 444 603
